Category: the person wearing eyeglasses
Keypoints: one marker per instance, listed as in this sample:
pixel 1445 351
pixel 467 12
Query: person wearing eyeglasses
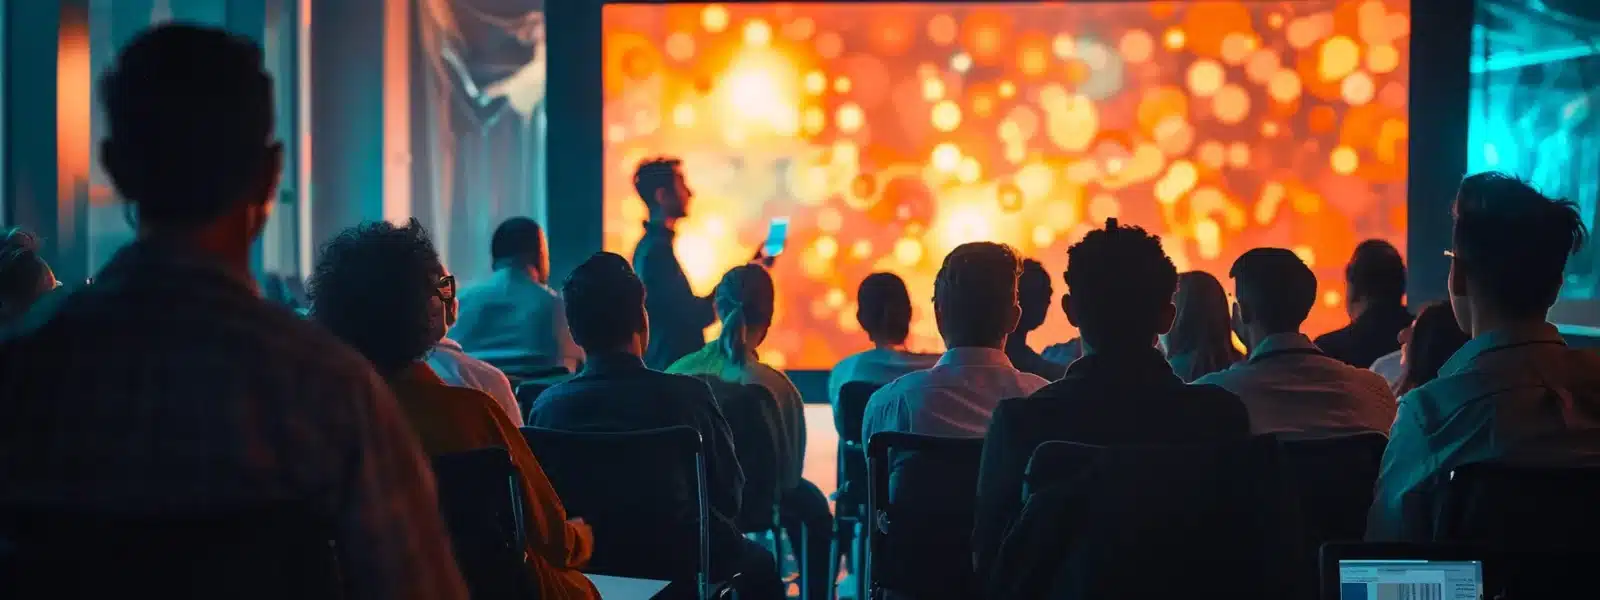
pixel 383 290
pixel 454 365
pixel 24 275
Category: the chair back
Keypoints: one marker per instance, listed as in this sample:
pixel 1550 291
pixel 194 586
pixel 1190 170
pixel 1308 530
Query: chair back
pixel 752 415
pixel 852 454
pixel 480 497
pixel 1524 508
pixel 921 502
pixel 528 389
pixel 1149 521
pixel 643 493
pixel 268 552
pixel 852 409
pixel 1334 480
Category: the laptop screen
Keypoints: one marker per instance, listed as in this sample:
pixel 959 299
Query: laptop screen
pixel 1410 580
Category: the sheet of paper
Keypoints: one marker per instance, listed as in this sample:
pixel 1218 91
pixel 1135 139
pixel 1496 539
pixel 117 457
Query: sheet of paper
pixel 626 588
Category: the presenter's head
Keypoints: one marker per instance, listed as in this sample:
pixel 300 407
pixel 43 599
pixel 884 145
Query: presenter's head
pixel 661 185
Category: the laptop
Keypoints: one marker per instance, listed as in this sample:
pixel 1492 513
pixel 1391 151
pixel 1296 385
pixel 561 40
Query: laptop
pixel 1402 572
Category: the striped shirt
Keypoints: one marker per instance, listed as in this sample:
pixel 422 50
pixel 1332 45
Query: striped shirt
pixel 168 388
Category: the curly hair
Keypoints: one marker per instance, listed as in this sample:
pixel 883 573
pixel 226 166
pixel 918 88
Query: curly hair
pixel 975 290
pixel 1120 279
pixel 372 286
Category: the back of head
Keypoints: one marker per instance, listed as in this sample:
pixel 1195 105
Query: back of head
pixel 883 308
pixel 519 240
pixel 1376 274
pixel 1435 337
pixel 1276 290
pixel 1201 324
pixel 190 115
pixel 1121 284
pixel 975 295
pixel 24 276
pixel 604 303
pixel 1034 295
pixel 744 303
pixel 1512 244
pixel 372 287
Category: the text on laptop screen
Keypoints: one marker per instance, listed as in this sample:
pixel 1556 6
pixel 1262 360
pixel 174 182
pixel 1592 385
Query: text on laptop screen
pixel 1410 580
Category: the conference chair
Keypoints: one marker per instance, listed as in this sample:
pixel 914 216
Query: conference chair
pixel 1333 479
pixel 1512 507
pixel 480 497
pixel 921 502
pixel 850 501
pixel 257 553
pixel 527 389
pixel 643 493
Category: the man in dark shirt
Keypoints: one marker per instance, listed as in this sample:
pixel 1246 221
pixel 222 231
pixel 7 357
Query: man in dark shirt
pixel 680 317
pixel 1121 392
pixel 1375 299
pixel 1035 296
pixel 615 391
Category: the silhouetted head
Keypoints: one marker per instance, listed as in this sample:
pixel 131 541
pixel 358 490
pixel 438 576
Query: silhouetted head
pixel 1427 344
pixel 605 306
pixel 519 243
pixel 1201 329
pixel 1376 276
pixel 24 275
pixel 661 185
pixel 744 303
pixel 1119 288
pixel 883 308
pixel 381 288
pixel 1510 249
pixel 975 295
pixel 1034 295
pixel 1275 292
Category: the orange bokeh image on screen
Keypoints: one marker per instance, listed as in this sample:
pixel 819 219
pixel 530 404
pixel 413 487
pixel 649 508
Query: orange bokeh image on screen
pixel 889 133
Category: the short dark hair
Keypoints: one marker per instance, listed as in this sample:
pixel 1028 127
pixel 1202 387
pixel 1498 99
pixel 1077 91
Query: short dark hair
pixel 519 238
pixel 1276 285
pixel 605 302
pixel 1376 272
pixel 1034 294
pixel 1119 279
pixel 883 308
pixel 655 174
pixel 974 291
pixel 372 286
pixel 1513 242
pixel 190 113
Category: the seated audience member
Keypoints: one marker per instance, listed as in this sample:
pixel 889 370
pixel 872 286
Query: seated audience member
pixel 975 304
pixel 513 320
pixel 383 290
pixel 24 275
pixel 170 388
pixel 1391 366
pixel 1291 387
pixel 1427 344
pixel 457 368
pixel 1515 392
pixel 1035 298
pixel 744 303
pixel 616 392
pixel 1375 300
pixel 883 308
pixel 1121 392
pixel 1201 340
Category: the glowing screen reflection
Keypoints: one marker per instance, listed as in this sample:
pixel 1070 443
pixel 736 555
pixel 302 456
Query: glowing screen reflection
pixel 890 133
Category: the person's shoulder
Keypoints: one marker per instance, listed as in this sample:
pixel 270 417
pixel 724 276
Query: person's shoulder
pixel 904 384
pixel 1210 396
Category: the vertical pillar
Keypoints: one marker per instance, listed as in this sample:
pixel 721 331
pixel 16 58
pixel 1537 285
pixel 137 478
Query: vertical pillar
pixel 29 87
pixel 347 119
pixel 1441 51
pixel 575 166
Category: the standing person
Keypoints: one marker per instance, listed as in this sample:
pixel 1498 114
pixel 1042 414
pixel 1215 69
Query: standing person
pixel 383 289
pixel 24 275
pixel 680 317
pixel 1201 340
pixel 1515 392
pixel 1291 387
pixel 1034 297
pixel 1375 301
pixel 615 391
pixel 744 302
pixel 883 308
pixel 513 320
pixel 1427 344
pixel 170 388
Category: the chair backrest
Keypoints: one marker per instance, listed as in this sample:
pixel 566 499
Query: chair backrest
pixel 921 502
pixel 852 453
pixel 1150 521
pixel 643 493
pixel 528 389
pixel 1334 480
pixel 752 415
pixel 480 497
pixel 852 409
pixel 1519 507
pixel 268 552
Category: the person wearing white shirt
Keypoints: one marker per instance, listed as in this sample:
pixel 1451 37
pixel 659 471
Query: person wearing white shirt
pixel 513 320
pixel 1390 366
pixel 1515 393
pixel 975 304
pixel 459 369
pixel 1290 387
pixel 884 312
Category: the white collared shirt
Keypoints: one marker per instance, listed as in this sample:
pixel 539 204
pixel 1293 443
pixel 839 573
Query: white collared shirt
pixel 1390 366
pixel 954 398
pixel 1295 391
pixel 1506 396
pixel 457 369
pixel 877 366
pixel 516 324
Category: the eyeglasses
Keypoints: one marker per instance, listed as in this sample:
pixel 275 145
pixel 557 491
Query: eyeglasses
pixel 445 288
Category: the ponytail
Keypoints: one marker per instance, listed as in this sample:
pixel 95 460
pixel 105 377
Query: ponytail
pixel 744 298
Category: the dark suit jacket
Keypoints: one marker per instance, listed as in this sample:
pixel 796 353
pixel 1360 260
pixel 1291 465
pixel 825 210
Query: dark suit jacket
pixel 1129 398
pixel 1367 338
